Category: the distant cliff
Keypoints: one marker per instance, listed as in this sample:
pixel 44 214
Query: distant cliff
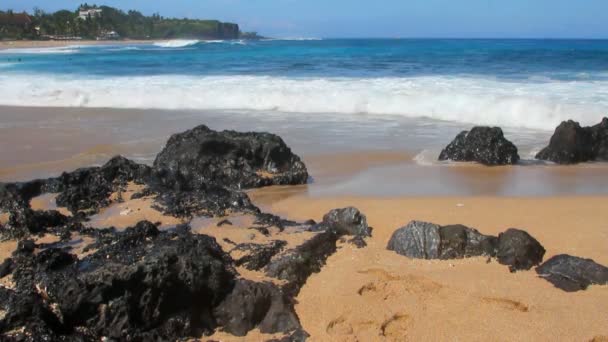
pixel 103 22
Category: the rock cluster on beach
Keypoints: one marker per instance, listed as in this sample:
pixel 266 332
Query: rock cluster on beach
pixel 423 240
pixel 149 284
pixel 514 248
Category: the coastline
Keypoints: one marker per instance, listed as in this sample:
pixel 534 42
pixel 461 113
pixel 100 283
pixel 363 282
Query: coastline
pixel 28 44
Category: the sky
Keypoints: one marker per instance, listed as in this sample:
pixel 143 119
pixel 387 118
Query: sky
pixel 379 18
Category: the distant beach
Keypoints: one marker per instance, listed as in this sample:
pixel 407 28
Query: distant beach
pixel 28 44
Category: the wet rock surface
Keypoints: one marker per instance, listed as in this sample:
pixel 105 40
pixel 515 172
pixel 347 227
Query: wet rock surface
pixel 423 240
pixel 232 159
pixel 485 145
pixel 571 143
pixel 571 273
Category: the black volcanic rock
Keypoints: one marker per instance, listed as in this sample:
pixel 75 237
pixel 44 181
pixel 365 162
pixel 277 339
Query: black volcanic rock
pixel 261 305
pixel 571 143
pixel 485 145
pixel 257 256
pixel 424 240
pixel 231 159
pixel 571 273
pixel 142 285
pixel 89 188
pixel 296 265
pixel 519 250
pixel 345 221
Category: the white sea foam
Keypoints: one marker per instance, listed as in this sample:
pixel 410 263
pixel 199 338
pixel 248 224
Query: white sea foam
pixel 178 43
pixel 38 51
pixel 460 99
pixel 293 39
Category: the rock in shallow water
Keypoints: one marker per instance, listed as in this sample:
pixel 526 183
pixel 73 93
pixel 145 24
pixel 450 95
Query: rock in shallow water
pixel 571 143
pixel 232 159
pixel 423 240
pixel 485 145
pixel 571 273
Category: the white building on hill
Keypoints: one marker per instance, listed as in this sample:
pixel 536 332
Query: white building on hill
pixel 91 12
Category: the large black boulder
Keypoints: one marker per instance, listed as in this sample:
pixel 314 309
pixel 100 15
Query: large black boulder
pixel 228 158
pixel 519 250
pixel 424 240
pixel 571 143
pixel 485 145
pixel 571 273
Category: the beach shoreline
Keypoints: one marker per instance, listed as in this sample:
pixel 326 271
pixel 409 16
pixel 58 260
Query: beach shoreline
pixel 30 44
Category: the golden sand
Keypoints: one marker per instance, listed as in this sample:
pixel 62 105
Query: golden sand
pixel 372 294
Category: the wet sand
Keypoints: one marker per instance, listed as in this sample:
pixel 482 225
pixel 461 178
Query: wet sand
pixel 373 294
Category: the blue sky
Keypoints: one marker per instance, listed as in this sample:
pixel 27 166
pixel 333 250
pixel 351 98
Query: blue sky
pixel 380 18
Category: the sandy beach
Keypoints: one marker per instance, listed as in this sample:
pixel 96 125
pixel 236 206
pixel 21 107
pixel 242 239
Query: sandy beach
pixel 367 294
pixel 373 294
pixel 31 44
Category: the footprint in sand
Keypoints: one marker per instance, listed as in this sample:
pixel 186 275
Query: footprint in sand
pixel 395 328
pixel 390 284
pixel 339 326
pixel 506 303
pixel 599 339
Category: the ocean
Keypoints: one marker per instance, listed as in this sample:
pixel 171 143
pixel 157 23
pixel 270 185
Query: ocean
pixel 321 95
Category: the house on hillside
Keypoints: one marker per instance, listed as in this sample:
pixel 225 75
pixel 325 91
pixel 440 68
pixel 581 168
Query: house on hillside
pixel 89 13
pixel 21 20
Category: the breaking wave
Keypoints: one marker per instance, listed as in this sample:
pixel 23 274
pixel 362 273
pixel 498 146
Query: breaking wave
pixel 178 43
pixel 459 99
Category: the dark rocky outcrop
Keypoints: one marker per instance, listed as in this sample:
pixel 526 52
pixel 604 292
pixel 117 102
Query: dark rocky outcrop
pixel 571 273
pixel 423 240
pixel 146 284
pixel 519 250
pixel 258 255
pixel 88 189
pixel 345 221
pixel 296 265
pixel 141 284
pixel 571 143
pixel 232 159
pixel 261 305
pixel 485 145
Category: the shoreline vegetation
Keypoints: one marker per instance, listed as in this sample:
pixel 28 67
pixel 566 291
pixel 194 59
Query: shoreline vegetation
pixel 104 23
